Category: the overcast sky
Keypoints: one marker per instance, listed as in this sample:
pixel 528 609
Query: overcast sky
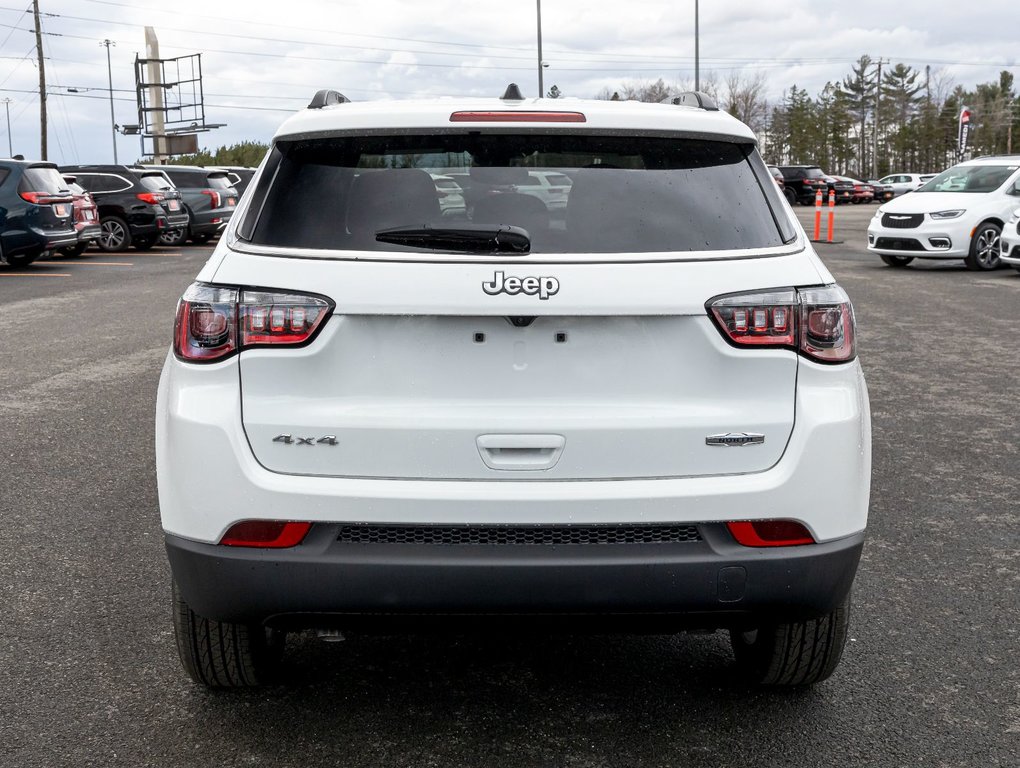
pixel 263 59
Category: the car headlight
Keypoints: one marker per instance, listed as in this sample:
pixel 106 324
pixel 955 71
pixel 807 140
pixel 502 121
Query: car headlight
pixel 1014 217
pixel 879 212
pixel 954 214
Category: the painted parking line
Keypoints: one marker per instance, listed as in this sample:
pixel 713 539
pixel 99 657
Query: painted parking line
pixel 92 263
pixel 34 274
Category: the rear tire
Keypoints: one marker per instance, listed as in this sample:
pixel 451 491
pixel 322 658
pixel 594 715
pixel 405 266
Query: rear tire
pixel 896 261
pixel 218 654
pixel 173 238
pixel 984 247
pixel 794 654
pixel 791 198
pixel 21 260
pixel 201 239
pixel 115 235
pixel 145 243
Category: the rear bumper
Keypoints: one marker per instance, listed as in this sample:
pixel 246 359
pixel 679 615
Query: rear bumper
pixel 210 222
pixel 709 583
pixel 89 232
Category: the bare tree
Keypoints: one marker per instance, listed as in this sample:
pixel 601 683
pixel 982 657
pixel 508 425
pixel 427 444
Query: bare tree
pixel 745 99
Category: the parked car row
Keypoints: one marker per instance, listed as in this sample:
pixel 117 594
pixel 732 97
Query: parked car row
pixel 67 209
pixel 801 183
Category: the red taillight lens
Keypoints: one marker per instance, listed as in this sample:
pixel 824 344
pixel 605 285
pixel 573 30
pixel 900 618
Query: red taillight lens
pixel 817 322
pixel 770 533
pixel 275 534
pixel 206 327
pixel 213 322
pixel 45 198
pixel 757 319
pixel 214 197
pixel 280 318
pixel 152 198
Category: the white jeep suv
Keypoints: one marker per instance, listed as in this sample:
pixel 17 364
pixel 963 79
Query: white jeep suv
pixel 957 215
pixel 645 412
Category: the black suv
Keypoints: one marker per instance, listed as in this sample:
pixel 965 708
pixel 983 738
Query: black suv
pixel 37 209
pixel 208 195
pixel 130 213
pixel 802 182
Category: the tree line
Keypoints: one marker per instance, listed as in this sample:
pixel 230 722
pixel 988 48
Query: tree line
pixel 879 118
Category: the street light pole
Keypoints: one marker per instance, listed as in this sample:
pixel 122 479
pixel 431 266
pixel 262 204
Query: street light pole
pixel 109 74
pixel 697 55
pixel 541 85
pixel 10 145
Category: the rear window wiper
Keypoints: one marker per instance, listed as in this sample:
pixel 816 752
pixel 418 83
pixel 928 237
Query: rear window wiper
pixel 464 237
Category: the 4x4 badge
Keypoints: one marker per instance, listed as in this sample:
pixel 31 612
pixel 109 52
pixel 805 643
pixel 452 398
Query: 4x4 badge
pixel 736 439
pixel 543 286
pixel 289 440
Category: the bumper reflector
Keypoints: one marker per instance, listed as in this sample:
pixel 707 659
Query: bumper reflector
pixel 770 533
pixel 275 534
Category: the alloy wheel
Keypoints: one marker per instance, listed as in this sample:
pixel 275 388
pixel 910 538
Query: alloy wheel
pixel 988 248
pixel 112 236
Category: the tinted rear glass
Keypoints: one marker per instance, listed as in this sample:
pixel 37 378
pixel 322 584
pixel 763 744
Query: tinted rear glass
pixel 154 182
pixel 46 180
pixel 219 181
pixel 623 194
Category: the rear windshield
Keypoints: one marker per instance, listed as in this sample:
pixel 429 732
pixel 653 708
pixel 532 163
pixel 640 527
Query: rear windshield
pixel 46 180
pixel 155 182
pixel 970 178
pixel 615 194
pixel 193 180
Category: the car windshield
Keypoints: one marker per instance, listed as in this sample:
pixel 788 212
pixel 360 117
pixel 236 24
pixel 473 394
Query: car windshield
pixel 614 194
pixel 971 178
pixel 814 173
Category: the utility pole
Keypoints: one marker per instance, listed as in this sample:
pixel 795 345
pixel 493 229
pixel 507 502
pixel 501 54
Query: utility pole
pixel 878 98
pixel 42 80
pixel 10 145
pixel 541 84
pixel 109 75
pixel 697 53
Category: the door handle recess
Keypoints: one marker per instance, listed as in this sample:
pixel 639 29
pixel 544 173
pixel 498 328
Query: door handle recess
pixel 520 452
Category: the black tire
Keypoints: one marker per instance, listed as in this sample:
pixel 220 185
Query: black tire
pixel 791 196
pixel 201 239
pixel 115 235
pixel 795 654
pixel 173 237
pixel 22 259
pixel 145 243
pixel 222 655
pixel 984 247
pixel 896 261
pixel 74 251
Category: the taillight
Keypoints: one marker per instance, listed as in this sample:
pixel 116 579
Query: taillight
pixel 770 533
pixel 214 197
pixel 214 322
pixel 44 198
pixel 275 534
pixel 817 322
pixel 152 198
pixel 514 116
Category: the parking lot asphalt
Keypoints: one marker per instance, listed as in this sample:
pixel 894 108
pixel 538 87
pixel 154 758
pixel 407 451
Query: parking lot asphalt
pixel 90 675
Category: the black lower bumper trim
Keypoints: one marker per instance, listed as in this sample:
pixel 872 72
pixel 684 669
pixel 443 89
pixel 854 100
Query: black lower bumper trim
pixel 712 582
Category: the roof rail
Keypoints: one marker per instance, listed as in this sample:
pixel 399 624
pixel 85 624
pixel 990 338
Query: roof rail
pixel 327 98
pixel 512 93
pixel 697 99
